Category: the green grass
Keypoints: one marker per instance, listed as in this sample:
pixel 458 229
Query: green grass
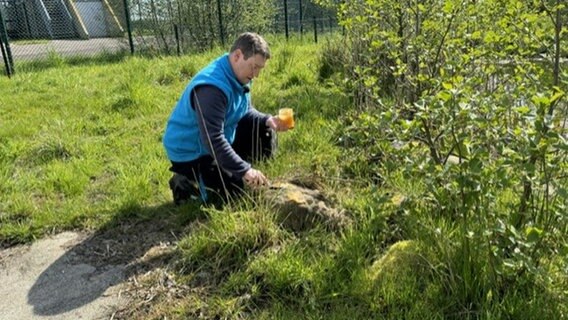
pixel 29 41
pixel 80 148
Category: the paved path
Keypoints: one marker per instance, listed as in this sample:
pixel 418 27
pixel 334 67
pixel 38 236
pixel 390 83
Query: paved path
pixel 84 275
pixel 49 280
pixel 68 48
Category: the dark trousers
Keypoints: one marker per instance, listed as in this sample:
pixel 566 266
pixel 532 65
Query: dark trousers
pixel 204 179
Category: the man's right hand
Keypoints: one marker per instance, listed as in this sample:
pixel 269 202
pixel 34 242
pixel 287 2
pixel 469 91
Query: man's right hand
pixel 255 178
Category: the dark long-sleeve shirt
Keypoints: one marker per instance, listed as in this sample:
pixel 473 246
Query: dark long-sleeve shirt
pixel 213 105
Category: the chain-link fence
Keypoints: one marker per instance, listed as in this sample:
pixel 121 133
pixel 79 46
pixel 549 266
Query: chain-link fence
pixel 32 30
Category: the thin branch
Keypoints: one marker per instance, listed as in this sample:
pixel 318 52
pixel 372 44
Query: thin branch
pixel 442 41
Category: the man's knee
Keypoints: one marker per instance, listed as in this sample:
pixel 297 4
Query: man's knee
pixel 218 183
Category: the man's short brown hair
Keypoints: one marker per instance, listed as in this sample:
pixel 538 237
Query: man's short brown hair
pixel 250 44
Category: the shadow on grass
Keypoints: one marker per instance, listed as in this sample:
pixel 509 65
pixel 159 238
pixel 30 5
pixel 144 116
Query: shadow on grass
pixel 110 256
pixel 55 60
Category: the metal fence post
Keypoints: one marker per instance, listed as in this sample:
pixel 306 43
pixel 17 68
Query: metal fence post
pixel 286 17
pixel 315 29
pixel 221 22
pixel 176 32
pixel 301 18
pixel 128 27
pixel 6 51
pixel 4 55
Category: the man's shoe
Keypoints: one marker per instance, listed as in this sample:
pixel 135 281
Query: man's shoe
pixel 183 189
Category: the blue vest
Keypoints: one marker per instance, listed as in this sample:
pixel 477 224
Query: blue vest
pixel 182 137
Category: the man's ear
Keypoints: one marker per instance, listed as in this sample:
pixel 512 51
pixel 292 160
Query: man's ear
pixel 237 54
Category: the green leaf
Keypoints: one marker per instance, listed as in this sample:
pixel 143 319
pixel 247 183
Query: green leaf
pixel 444 96
pixel 540 100
pixel 533 234
pixel 448 6
pixel 556 96
pixel 476 35
pixel 561 146
pixel 475 165
pixel 523 110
